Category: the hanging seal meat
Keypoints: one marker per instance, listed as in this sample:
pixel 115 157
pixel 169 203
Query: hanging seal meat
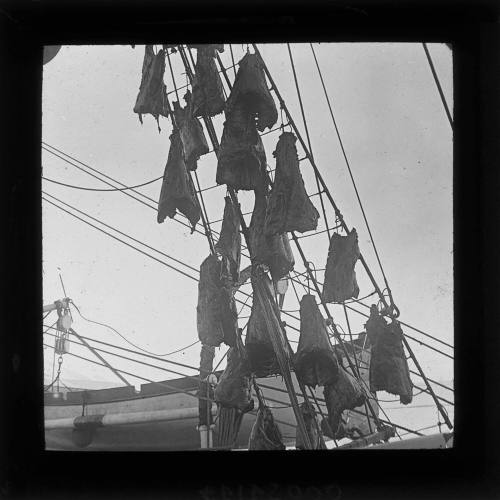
pixel 289 207
pixel 345 394
pixel 194 143
pixel 177 192
pixel 274 251
pixel 315 361
pixel 388 366
pixel 217 318
pixel 208 92
pixel 233 389
pixel 340 277
pixel 265 433
pixel 152 97
pixel 241 159
pixel 309 416
pixel 259 346
pixel 250 87
pixel 229 243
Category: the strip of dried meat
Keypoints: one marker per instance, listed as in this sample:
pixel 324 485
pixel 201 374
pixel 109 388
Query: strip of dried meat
pixel 233 389
pixel 152 97
pixel 345 394
pixel 315 361
pixel 193 139
pixel 177 192
pixel 241 159
pixel 388 366
pixel 217 317
pixel 265 433
pixel 273 251
pixel 289 207
pixel 259 346
pixel 340 277
pixel 250 86
pixel 208 91
pixel 309 416
pixel 229 243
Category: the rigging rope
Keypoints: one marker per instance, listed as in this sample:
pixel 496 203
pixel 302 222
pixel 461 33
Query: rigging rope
pixel 155 208
pixel 128 341
pixel 122 233
pixel 135 248
pixel 103 189
pixel 240 291
pixel 121 241
pixel 307 135
pixel 187 225
pixel 144 363
pixel 438 85
pixel 151 356
pixel 352 177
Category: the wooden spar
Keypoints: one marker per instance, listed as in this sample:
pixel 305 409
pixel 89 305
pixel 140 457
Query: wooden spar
pixel 124 418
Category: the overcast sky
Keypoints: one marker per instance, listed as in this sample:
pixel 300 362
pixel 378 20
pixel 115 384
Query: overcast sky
pixel 398 141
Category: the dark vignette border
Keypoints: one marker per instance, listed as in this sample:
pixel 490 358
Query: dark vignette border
pixel 468 470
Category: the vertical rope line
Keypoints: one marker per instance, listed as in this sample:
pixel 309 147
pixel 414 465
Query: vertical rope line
pixel 438 84
pixel 320 191
pixel 232 59
pixel 350 174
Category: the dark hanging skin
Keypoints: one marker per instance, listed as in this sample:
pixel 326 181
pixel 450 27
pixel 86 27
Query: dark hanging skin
pixel 177 193
pixel 315 361
pixel 289 207
pixel 193 139
pixel 152 98
pixel 217 318
pixel 233 389
pixel 259 346
pixel 265 433
pixel 345 394
pixel 309 415
pixel 208 91
pixel 250 87
pixel 388 365
pixel 229 243
pixel 273 251
pixel 340 277
pixel 241 159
